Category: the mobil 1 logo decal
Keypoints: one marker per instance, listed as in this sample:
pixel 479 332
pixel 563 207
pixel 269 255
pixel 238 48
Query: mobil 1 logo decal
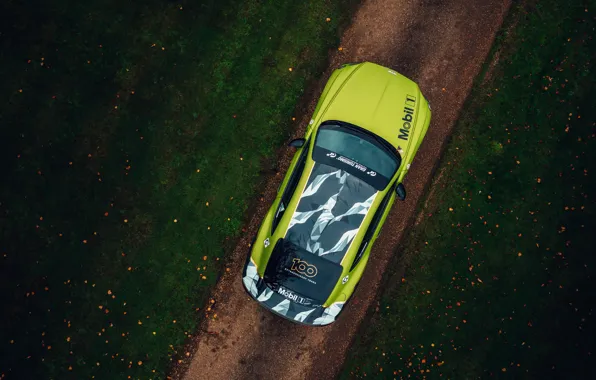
pixel 409 107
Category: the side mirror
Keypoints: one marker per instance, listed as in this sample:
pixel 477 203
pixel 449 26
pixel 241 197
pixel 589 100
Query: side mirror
pixel 400 190
pixel 297 143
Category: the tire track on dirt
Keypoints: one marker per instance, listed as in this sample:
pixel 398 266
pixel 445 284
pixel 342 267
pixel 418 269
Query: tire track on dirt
pixel 440 44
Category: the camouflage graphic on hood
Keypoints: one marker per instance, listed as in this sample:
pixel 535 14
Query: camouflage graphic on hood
pixel 330 212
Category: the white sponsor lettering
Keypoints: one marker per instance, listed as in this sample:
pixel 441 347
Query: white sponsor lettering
pixel 353 163
pixel 292 296
pixel 299 275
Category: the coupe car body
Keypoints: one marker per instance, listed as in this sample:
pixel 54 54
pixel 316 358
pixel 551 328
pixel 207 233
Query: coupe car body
pixel 315 241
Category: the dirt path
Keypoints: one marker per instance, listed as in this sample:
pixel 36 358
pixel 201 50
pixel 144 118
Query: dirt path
pixel 441 44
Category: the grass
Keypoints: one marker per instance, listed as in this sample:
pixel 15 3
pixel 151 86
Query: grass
pixel 499 275
pixel 132 141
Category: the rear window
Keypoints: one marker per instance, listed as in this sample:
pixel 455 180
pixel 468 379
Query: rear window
pixel 297 270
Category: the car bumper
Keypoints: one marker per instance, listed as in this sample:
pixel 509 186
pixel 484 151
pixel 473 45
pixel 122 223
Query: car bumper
pixel 284 307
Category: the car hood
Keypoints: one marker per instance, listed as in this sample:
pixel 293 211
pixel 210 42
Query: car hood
pixel 283 303
pixel 377 99
pixel 299 275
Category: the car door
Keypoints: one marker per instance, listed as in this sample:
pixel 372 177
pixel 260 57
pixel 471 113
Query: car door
pixel 373 229
pixel 290 188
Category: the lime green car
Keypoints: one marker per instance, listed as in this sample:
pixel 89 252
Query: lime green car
pixel 313 245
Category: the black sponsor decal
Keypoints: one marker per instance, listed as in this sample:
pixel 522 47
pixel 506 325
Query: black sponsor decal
pixel 299 275
pixel 289 267
pixel 301 266
pixel 352 163
pixel 404 131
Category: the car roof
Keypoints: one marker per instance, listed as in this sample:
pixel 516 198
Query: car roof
pixel 330 212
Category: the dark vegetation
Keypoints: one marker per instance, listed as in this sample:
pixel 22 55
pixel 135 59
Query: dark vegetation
pixel 132 137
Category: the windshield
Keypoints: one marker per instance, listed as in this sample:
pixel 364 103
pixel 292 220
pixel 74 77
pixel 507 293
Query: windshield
pixel 343 145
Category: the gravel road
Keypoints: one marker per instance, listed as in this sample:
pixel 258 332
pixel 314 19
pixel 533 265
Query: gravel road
pixel 440 44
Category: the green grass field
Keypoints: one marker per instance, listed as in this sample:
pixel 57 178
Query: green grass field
pixel 499 275
pixel 133 138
